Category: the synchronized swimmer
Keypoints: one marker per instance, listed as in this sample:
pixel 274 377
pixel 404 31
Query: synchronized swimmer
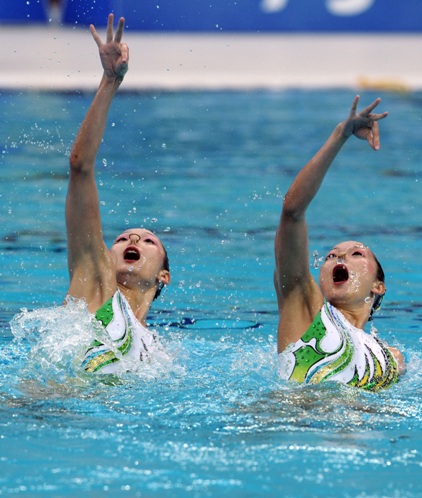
pixel 119 284
pixel 320 331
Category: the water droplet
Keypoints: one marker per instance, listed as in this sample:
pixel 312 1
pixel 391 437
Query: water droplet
pixel 317 260
pixel 373 330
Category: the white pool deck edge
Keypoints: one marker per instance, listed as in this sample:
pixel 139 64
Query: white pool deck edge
pixel 54 58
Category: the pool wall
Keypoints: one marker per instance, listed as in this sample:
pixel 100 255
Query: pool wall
pixel 367 16
pixel 191 44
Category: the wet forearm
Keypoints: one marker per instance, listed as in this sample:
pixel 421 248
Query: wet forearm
pixel 88 140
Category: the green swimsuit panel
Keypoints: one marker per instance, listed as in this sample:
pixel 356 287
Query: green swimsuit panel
pixel 125 339
pixel 333 349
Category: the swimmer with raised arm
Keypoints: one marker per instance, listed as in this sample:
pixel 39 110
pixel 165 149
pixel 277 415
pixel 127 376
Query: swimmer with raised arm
pixel 119 284
pixel 320 331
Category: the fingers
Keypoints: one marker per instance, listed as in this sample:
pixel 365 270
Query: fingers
pixel 109 36
pixel 354 105
pixel 374 138
pixel 95 35
pixel 124 51
pixel 370 107
pixel 119 31
pixel 377 117
pixel 367 112
pixel 110 22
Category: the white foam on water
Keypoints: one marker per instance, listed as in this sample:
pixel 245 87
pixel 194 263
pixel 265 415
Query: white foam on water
pixel 58 339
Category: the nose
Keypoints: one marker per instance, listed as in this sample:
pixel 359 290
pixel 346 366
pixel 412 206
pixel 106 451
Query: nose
pixel 134 238
pixel 340 258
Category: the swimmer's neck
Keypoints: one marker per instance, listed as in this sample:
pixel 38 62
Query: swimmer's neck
pixel 357 315
pixel 140 302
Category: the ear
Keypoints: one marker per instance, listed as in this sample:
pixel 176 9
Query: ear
pixel 378 288
pixel 163 277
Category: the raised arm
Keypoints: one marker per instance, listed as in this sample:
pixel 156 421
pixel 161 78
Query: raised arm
pixel 88 257
pixel 299 297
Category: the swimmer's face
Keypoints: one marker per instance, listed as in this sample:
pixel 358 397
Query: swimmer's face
pixel 139 253
pixel 349 273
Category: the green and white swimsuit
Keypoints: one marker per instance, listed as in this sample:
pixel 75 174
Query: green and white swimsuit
pixel 126 342
pixel 332 349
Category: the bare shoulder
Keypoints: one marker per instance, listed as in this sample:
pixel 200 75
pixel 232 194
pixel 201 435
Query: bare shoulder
pixel 398 356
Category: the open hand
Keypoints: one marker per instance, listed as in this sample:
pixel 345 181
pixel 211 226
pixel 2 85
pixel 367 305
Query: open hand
pixel 114 54
pixel 364 125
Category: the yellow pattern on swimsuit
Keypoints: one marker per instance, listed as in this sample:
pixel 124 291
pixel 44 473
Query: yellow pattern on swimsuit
pixel 332 349
pixel 129 340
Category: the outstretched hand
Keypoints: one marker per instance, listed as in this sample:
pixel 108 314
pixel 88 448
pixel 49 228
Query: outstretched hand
pixel 114 54
pixel 364 125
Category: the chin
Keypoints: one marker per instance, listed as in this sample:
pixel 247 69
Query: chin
pixel 338 296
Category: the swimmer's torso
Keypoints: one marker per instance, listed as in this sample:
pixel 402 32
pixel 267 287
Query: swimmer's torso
pixel 332 349
pixel 126 342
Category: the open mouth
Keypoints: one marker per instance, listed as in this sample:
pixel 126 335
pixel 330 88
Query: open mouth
pixel 131 255
pixel 340 274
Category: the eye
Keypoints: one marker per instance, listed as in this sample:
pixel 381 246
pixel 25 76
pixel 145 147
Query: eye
pixel 150 241
pixel 330 256
pixel 121 238
pixel 357 253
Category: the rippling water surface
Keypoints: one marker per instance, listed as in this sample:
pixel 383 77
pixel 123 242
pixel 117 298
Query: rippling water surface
pixel 208 417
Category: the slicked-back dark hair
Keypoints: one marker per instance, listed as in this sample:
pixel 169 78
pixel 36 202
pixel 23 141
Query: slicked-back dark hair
pixel 166 266
pixel 376 305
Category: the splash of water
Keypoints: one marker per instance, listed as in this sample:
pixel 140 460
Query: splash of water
pixel 58 339
pixel 317 260
pixel 373 330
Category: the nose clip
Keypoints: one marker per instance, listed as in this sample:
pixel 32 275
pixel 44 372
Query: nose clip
pixel 136 235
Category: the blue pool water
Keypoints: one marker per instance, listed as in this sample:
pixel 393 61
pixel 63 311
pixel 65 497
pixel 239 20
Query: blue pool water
pixel 210 417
